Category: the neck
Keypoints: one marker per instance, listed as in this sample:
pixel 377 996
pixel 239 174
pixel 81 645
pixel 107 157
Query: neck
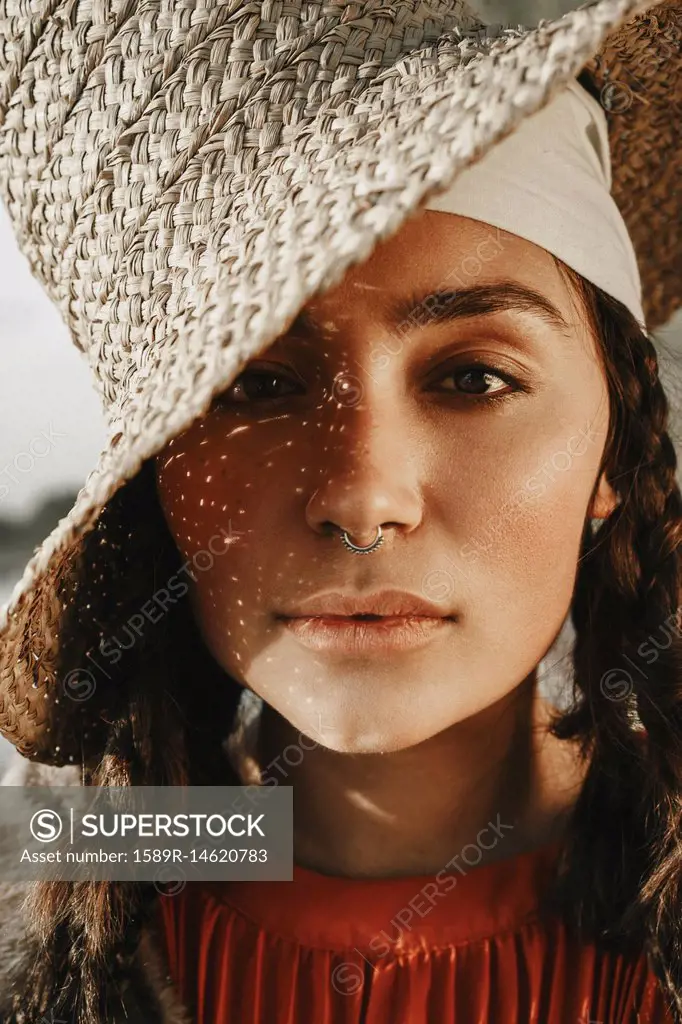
pixel 497 783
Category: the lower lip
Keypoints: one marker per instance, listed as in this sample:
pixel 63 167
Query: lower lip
pixel 362 636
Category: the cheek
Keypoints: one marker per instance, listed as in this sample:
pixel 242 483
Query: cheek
pixel 223 495
pixel 516 558
pixel 203 484
pixel 250 478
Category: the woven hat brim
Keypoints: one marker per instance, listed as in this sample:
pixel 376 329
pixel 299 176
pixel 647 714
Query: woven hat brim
pixel 347 179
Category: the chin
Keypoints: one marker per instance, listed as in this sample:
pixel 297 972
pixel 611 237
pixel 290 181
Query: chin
pixel 364 736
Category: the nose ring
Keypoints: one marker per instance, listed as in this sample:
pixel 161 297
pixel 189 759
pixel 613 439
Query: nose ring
pixel 376 543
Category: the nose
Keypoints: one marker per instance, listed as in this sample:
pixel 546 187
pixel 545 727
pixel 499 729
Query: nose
pixel 370 477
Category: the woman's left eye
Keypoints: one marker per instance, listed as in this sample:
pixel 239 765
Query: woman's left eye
pixel 480 377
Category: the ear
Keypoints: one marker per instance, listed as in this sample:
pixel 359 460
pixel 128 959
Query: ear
pixel 604 501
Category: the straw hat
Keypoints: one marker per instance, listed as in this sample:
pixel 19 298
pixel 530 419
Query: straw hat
pixel 184 178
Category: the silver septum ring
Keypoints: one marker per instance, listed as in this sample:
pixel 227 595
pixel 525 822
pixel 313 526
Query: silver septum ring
pixel 376 543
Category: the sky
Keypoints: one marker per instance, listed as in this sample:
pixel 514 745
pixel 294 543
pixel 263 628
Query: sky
pixel 51 424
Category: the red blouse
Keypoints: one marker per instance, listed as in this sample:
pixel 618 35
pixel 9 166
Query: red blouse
pixel 333 950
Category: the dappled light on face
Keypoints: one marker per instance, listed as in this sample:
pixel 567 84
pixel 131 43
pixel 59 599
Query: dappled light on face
pixel 471 432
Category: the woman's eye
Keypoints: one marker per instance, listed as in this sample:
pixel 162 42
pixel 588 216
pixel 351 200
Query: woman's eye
pixel 262 385
pixel 477 379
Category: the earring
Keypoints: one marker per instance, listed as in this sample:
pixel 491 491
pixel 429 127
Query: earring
pixel 596 525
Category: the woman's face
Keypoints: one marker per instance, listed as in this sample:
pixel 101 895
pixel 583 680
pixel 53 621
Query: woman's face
pixel 470 426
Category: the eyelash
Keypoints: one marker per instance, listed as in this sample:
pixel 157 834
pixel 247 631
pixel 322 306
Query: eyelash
pixel 479 367
pixel 487 369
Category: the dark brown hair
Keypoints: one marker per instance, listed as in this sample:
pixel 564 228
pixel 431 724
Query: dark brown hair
pixel 623 854
pixel 171 706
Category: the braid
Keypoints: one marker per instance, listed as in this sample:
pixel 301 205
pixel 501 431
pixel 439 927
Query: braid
pixel 624 834
pixel 85 935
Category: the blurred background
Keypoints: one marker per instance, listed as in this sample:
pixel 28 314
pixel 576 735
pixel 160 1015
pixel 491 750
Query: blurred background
pixel 51 427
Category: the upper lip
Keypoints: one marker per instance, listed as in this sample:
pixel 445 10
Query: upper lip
pixel 385 602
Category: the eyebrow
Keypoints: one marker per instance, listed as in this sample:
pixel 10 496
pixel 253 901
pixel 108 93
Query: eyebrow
pixel 482 300
pixel 438 307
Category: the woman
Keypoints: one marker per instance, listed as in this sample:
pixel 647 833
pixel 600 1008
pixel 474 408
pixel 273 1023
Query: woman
pixel 473 408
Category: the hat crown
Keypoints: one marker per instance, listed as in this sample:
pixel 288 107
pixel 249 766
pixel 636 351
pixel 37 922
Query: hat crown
pixel 124 127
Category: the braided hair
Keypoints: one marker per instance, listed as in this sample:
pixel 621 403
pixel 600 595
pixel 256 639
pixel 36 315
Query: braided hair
pixel 623 854
pixel 619 876
pixel 169 708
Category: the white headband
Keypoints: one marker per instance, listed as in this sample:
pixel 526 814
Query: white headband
pixel 549 182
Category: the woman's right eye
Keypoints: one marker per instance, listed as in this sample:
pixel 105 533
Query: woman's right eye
pixel 256 386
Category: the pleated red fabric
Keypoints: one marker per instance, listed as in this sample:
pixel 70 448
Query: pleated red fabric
pixel 331 950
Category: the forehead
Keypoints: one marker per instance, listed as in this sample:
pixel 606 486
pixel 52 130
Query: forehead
pixel 433 257
pixel 438 268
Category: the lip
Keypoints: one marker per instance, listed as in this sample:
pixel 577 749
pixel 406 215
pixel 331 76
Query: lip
pixel 344 635
pixel 406 621
pixel 383 602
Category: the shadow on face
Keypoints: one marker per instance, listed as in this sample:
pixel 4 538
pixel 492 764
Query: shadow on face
pixel 447 390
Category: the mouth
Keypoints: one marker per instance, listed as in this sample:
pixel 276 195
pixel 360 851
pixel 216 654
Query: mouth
pixel 365 633
pixel 362 618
